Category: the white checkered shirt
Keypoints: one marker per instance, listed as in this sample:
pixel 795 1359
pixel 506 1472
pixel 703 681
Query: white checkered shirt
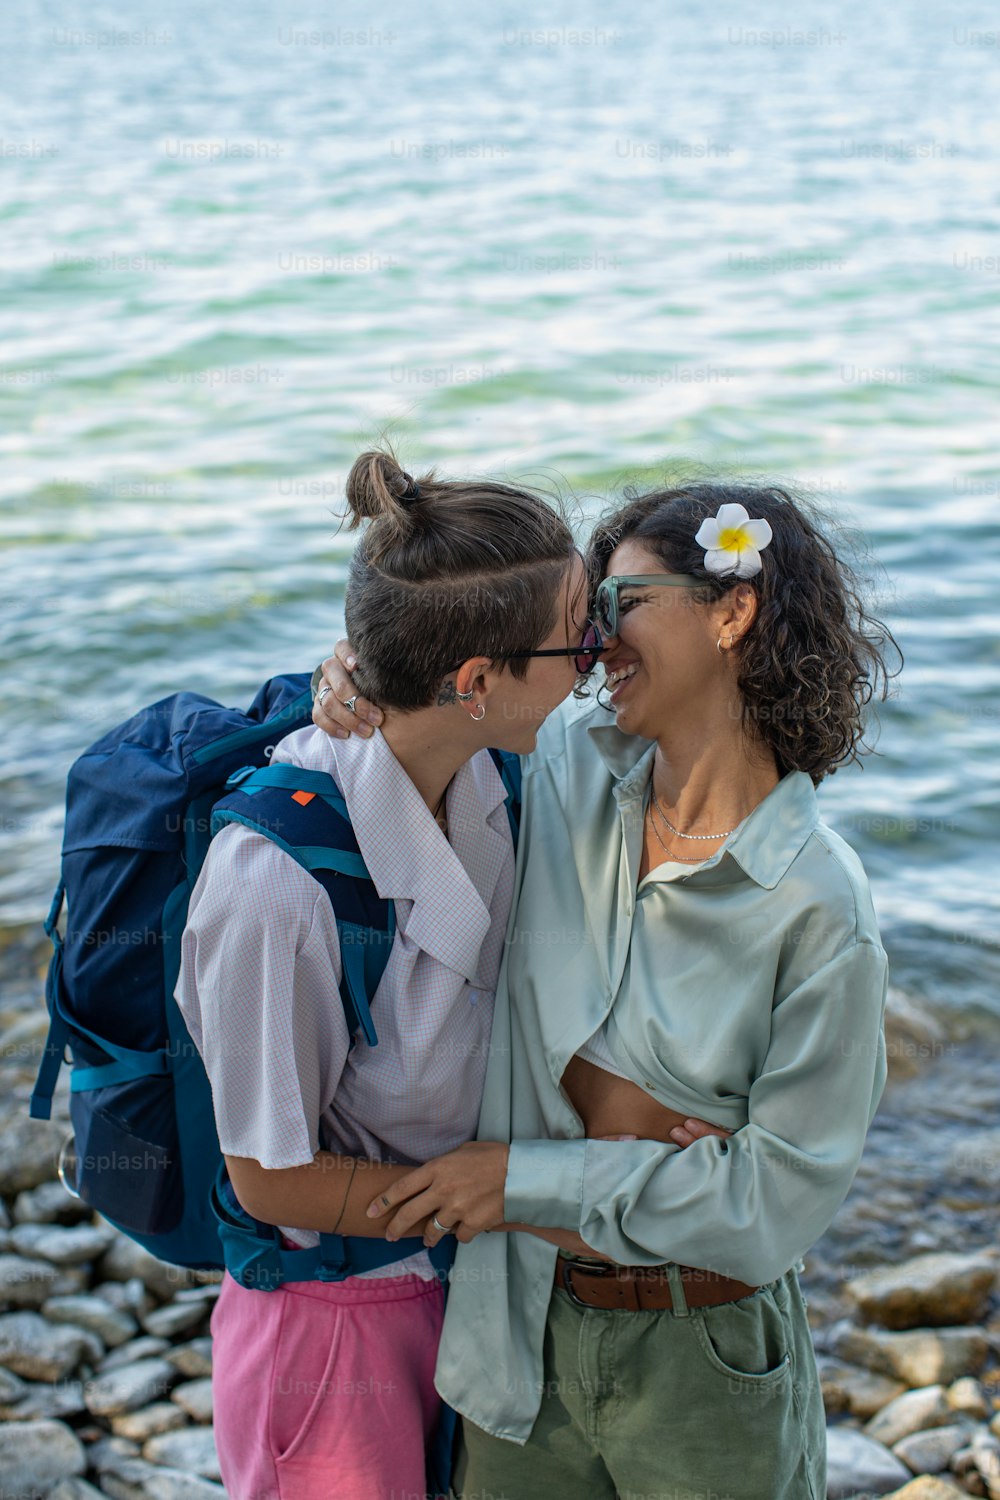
pixel 260 973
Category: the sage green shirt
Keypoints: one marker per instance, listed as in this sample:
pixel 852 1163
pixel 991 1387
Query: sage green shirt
pixel 749 991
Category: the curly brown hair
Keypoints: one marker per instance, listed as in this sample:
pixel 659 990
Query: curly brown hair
pixel 814 656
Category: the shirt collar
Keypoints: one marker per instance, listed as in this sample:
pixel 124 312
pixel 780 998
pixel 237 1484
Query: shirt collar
pixel 766 842
pixel 449 884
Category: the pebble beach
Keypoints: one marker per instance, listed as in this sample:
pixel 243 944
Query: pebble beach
pixel 106 1354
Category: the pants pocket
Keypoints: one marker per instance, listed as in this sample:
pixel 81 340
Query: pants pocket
pixel 747 1341
pixel 304 1376
pixel 740 1433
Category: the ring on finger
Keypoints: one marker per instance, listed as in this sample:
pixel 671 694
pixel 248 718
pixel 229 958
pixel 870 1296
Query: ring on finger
pixel 350 702
pixel 442 1228
pixel 323 692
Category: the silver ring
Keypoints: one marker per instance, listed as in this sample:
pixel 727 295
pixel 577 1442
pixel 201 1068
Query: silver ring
pixel 350 702
pixel 322 693
pixel 443 1229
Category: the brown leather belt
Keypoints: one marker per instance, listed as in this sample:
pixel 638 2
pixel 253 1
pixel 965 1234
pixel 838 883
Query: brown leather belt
pixel 642 1288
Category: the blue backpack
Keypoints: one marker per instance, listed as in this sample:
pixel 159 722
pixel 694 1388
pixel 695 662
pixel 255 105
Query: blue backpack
pixel 142 805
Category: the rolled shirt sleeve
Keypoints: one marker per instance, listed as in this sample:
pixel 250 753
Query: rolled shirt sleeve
pixel 752 1205
pixel 260 966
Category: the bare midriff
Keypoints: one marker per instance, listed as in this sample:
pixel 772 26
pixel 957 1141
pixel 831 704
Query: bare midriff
pixel 609 1105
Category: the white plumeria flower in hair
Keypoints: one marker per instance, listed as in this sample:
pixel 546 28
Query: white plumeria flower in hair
pixel 732 542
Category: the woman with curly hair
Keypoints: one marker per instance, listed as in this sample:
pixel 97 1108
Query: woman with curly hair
pixel 689 940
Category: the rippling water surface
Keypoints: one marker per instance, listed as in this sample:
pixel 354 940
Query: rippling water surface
pixel 236 242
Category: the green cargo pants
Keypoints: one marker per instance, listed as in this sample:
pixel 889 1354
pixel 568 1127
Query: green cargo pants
pixel 713 1403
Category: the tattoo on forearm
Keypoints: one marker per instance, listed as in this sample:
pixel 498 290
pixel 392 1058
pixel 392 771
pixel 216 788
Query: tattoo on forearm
pixel 447 694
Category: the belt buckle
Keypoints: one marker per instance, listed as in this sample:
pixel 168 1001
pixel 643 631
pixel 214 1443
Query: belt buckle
pixel 591 1268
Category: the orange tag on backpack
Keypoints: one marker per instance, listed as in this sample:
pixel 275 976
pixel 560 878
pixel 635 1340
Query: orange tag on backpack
pixel 303 798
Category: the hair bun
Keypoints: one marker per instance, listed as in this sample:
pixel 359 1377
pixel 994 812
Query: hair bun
pixel 377 487
pixel 412 491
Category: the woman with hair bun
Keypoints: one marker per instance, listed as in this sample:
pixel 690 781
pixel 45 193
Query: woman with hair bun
pixel 689 940
pixel 469 602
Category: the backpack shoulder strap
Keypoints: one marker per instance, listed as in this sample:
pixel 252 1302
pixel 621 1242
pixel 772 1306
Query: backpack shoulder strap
pixel 304 813
pixel 509 766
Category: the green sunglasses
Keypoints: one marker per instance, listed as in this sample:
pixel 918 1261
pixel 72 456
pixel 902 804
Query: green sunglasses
pixel 606 610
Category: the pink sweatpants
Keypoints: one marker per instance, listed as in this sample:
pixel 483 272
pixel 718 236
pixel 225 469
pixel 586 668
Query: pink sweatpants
pixel 325 1390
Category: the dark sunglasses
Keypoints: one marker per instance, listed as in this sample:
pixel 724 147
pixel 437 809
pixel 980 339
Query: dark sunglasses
pixel 584 656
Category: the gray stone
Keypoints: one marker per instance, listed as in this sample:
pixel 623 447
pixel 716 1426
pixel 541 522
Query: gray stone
pixel 63 1246
pixel 36 1455
pixel 856 1464
pixel 963 1462
pixel 150 1421
pixel 923 1356
pixel 130 1353
pixel 46 1401
pixel 849 1388
pixel 25 1283
pixel 912 1035
pixel 194 1397
pixel 109 1452
pixel 913 1412
pixel 49 1203
pixel 128 1388
pixel 928 1487
pixel 193 1359
pixel 175 1484
pixel 12 1387
pixel 191 1449
pixel 70 1281
pixel 977 1157
pixel 205 1291
pixel 929 1290
pixel 40 1351
pixel 136 1479
pixel 175 1318
pixel 931 1452
pixel 986 1449
pixel 967 1396
pixel 126 1259
pixel 29 1150
pixel 131 1296
pixel 74 1489
pixel 22 1042
pixel 109 1323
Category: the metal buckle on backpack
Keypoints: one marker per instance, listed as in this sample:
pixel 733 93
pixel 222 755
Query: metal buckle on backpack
pixel 66 1166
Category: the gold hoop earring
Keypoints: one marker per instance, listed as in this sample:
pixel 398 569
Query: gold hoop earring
pixel 478 718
